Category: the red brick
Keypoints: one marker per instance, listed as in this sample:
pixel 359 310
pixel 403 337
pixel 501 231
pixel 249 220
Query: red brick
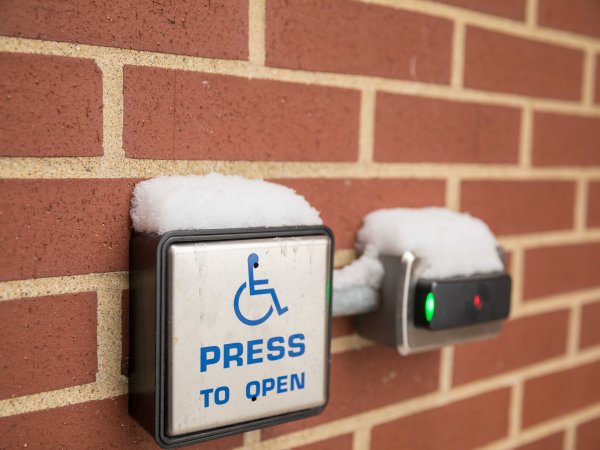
pixel 508 260
pixel 559 393
pixel 49 106
pixel 561 140
pixel 512 207
pixel 554 442
pixel 355 38
pixel 504 63
pixel 92 425
pixel 344 203
pixel 597 89
pixel 461 425
pixel 590 332
pixel 512 9
pixel 558 269
pixel 419 129
pixel 214 28
pixel 522 342
pixel 63 227
pixel 174 114
pixel 343 442
pixel 593 206
pixel 47 343
pixel 588 435
pixel 581 16
pixel 370 378
pixel 342 326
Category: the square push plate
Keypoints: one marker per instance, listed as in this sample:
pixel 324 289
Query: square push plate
pixel 244 333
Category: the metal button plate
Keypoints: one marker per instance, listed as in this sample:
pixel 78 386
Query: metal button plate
pixel 247 330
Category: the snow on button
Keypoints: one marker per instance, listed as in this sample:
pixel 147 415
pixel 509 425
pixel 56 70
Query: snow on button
pixel 216 201
pixel 448 243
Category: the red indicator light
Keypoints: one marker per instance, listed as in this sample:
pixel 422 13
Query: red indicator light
pixel 477 301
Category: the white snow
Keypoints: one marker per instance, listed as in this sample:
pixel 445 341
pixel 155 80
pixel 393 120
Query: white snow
pixel 448 243
pixel 364 271
pixel 354 300
pixel 355 285
pixel 216 201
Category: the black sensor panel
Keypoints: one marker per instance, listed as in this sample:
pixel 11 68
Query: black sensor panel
pixel 455 302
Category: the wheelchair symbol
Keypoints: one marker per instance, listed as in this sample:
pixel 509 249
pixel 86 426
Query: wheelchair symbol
pixel 252 285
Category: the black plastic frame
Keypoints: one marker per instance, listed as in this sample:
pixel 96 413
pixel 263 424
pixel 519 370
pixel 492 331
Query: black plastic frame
pixel 148 330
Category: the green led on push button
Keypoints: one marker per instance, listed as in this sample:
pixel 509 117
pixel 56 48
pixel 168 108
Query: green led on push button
pixel 429 307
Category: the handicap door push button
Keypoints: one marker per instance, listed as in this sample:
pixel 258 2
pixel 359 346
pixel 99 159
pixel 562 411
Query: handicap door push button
pixel 251 286
pixel 230 330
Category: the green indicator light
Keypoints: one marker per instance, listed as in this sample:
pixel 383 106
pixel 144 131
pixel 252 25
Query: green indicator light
pixel 429 307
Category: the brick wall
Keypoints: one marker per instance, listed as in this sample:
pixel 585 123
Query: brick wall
pixel 488 107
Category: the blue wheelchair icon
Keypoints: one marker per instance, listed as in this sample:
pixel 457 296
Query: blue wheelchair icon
pixel 252 285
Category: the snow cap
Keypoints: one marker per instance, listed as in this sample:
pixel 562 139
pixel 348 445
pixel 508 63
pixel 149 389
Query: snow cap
pixel 216 201
pixel 447 242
